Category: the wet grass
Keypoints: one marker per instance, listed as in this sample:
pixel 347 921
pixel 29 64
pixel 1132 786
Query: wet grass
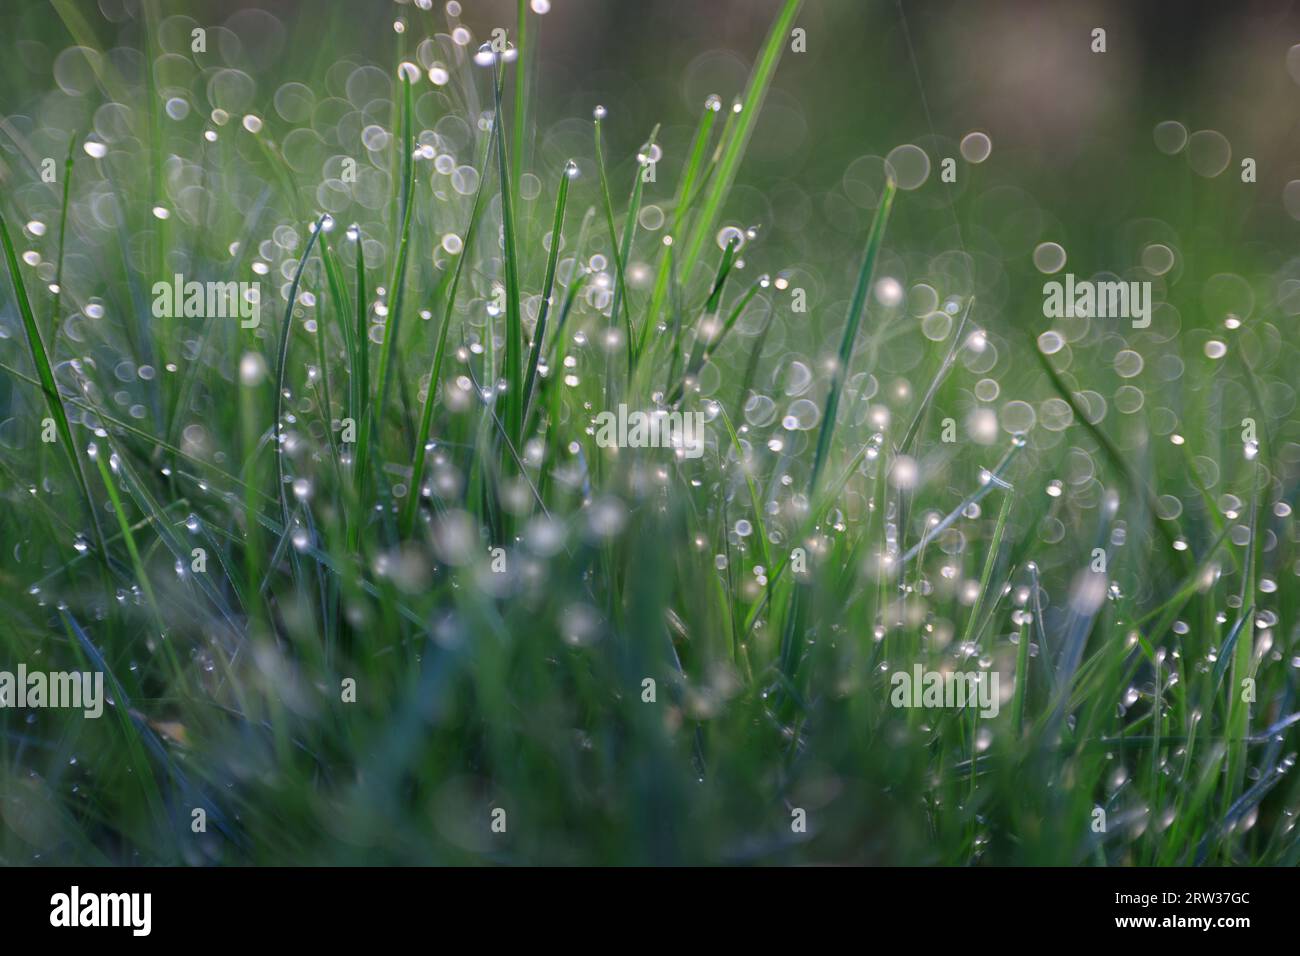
pixel 353 649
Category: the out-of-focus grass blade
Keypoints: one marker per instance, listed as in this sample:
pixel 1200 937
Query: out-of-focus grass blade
pixel 179 549
pixel 994 480
pixel 140 732
pixel 1229 643
pixel 149 439
pixel 947 364
pixel 142 576
pixel 1113 454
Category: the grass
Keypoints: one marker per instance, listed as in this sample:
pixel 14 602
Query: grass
pixel 351 650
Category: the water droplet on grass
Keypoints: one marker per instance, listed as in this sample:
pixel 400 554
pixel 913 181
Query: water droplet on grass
pixel 908 165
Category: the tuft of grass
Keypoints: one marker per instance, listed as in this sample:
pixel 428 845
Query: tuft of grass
pixel 351 649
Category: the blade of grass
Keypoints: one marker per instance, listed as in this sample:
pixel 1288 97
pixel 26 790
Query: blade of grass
pixel 994 480
pixel 620 290
pixel 144 734
pixel 63 233
pixel 707 344
pixel 1022 681
pixel 990 561
pixel 128 538
pixel 875 238
pixel 392 321
pixel 411 506
pixel 524 54
pixel 548 284
pixel 281 370
pixel 49 387
pixel 625 249
pixel 947 364
pixel 734 148
pixel 755 500
pixel 1116 457
pixel 514 326
pixel 366 410
pixel 685 190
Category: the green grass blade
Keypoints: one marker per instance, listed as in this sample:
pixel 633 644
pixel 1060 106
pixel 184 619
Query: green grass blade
pixel 524 54
pixel 990 562
pixel 875 238
pixel 734 149
pixel 707 316
pixel 681 205
pixel 620 289
pixel 366 409
pixel 392 327
pixel 282 363
pixel 625 251
pixel 548 286
pixel 514 325
pixel 49 387
pixel 411 507
pixel 142 576
pixel 63 232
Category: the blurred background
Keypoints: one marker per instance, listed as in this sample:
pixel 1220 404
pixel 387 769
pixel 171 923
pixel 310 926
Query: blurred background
pixel 1063 119
pixel 1071 130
